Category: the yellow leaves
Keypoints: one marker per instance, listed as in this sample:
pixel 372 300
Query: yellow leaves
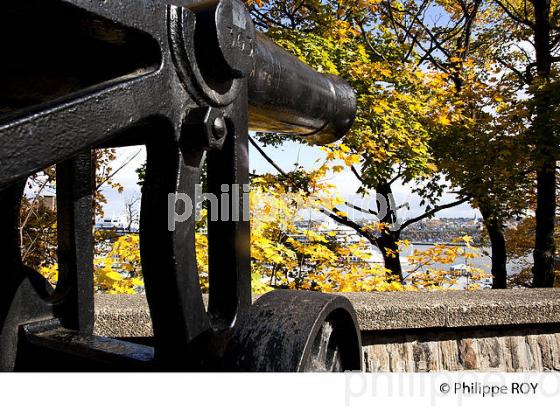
pixel 444 120
pixel 272 252
pixel 431 167
pixel 340 152
pixel 403 244
pixel 425 271
pixel 466 239
pixel 119 271
pixel 344 148
pixel 110 275
pixel 344 32
pixel 351 278
pixel 300 254
pixel 112 282
pixel 377 227
pixel 381 107
pixel 50 273
pixel 391 253
pixel 258 285
pixel 354 7
pixel 385 72
pixel 352 159
pixel 314 236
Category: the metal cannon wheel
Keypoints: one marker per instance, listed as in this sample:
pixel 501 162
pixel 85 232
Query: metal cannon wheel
pixel 297 331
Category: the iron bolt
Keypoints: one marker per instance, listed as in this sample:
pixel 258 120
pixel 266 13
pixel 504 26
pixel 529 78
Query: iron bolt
pixel 219 128
pixel 203 128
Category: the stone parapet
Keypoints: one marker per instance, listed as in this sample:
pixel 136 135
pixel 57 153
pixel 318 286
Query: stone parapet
pixel 488 330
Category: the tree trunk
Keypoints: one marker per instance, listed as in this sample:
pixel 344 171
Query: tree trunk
pixel 545 153
pixel 499 255
pixel 387 239
pixel 543 268
pixel 495 229
pixel 387 244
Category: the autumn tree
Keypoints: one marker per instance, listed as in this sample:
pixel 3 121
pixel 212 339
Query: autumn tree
pixel 520 239
pixel 482 151
pixel 37 228
pixel 38 219
pixel 296 252
pixel 533 27
pixel 399 104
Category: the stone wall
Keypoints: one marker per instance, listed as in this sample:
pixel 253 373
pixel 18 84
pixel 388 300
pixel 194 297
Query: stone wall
pixel 506 350
pixel 489 330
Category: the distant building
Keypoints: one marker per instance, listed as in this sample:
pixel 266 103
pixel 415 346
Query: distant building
pixel 116 224
pixel 460 269
pixel 443 230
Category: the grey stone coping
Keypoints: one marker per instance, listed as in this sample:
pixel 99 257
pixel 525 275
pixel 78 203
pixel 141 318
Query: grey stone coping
pixel 128 315
pixel 122 316
pixel 412 310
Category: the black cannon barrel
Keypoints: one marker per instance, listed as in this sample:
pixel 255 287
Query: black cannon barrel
pixel 287 96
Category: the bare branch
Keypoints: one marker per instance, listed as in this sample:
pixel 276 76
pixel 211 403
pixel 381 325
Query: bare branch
pixel 397 176
pixel 265 156
pixel 524 77
pixel 360 209
pixel 333 214
pixel 347 222
pixel 376 54
pixel 432 211
pixel 112 174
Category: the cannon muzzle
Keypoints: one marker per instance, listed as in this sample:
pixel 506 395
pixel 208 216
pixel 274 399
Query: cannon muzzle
pixel 287 96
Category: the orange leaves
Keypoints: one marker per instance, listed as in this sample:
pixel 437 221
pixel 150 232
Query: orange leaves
pixel 259 3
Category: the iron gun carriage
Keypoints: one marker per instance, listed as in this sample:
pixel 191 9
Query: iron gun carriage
pixel 187 79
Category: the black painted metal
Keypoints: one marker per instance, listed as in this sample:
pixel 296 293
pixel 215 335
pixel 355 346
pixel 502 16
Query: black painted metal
pixel 57 347
pixel 186 78
pixel 297 100
pixel 75 179
pixel 282 332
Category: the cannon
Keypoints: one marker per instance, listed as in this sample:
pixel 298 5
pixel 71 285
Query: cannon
pixel 187 79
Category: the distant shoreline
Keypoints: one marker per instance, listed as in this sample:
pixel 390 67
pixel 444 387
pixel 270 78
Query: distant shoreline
pixel 443 243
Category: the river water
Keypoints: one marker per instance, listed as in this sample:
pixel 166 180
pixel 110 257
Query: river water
pixel 482 262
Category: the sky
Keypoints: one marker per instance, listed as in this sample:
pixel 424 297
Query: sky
pixel 285 156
